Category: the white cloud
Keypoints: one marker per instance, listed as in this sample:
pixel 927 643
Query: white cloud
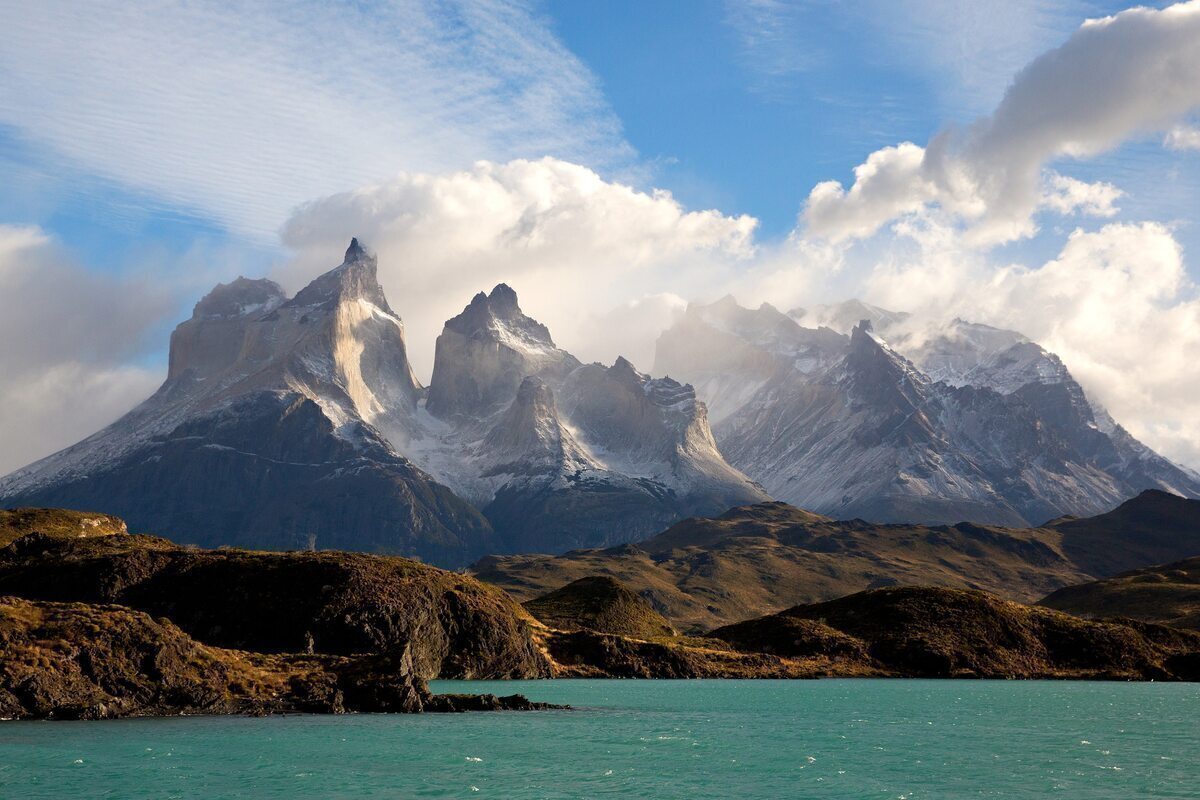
pixel 1183 137
pixel 1066 195
pixel 69 337
pixel 570 243
pixel 1117 77
pixel 890 183
pixel 242 110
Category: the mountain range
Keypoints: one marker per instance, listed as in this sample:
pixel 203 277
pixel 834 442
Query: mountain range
pixel 298 423
pixel 294 423
pixel 863 412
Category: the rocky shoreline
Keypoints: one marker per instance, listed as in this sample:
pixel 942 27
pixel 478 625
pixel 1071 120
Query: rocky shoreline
pixel 99 624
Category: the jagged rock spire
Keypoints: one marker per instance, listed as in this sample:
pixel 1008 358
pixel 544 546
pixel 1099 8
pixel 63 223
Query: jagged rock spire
pixel 483 354
pixel 355 278
pixel 354 252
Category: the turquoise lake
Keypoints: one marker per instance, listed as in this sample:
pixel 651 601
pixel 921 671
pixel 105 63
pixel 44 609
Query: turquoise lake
pixel 653 739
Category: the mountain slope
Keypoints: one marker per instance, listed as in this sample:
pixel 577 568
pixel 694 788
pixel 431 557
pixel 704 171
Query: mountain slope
pixel 976 423
pixel 1167 594
pixel 602 604
pixel 947 633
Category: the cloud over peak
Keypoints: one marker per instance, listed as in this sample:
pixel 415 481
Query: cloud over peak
pixel 571 243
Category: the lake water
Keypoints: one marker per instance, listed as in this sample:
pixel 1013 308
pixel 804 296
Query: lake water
pixel 653 739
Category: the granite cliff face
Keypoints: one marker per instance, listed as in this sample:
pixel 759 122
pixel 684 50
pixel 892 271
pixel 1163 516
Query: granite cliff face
pixel 298 423
pixel 559 454
pixel 890 422
pixel 484 354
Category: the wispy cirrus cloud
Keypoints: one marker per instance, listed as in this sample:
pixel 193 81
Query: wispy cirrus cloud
pixel 242 110
pixel 966 50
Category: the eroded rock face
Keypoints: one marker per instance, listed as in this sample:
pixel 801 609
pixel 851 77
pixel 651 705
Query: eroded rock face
pixel 560 455
pixel 81 661
pixel 324 602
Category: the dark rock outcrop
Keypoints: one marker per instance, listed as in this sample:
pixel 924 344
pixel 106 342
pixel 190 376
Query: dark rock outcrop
pixel 81 661
pixel 324 602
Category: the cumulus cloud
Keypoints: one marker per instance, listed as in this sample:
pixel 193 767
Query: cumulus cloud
pixel 569 242
pixel 69 338
pixel 1133 73
pixel 242 110
pixel 1067 195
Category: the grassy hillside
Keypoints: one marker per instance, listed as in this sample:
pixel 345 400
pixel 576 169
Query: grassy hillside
pixel 1168 594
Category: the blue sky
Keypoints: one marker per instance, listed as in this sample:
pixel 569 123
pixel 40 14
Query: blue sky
pixel 718 118
pixel 150 152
